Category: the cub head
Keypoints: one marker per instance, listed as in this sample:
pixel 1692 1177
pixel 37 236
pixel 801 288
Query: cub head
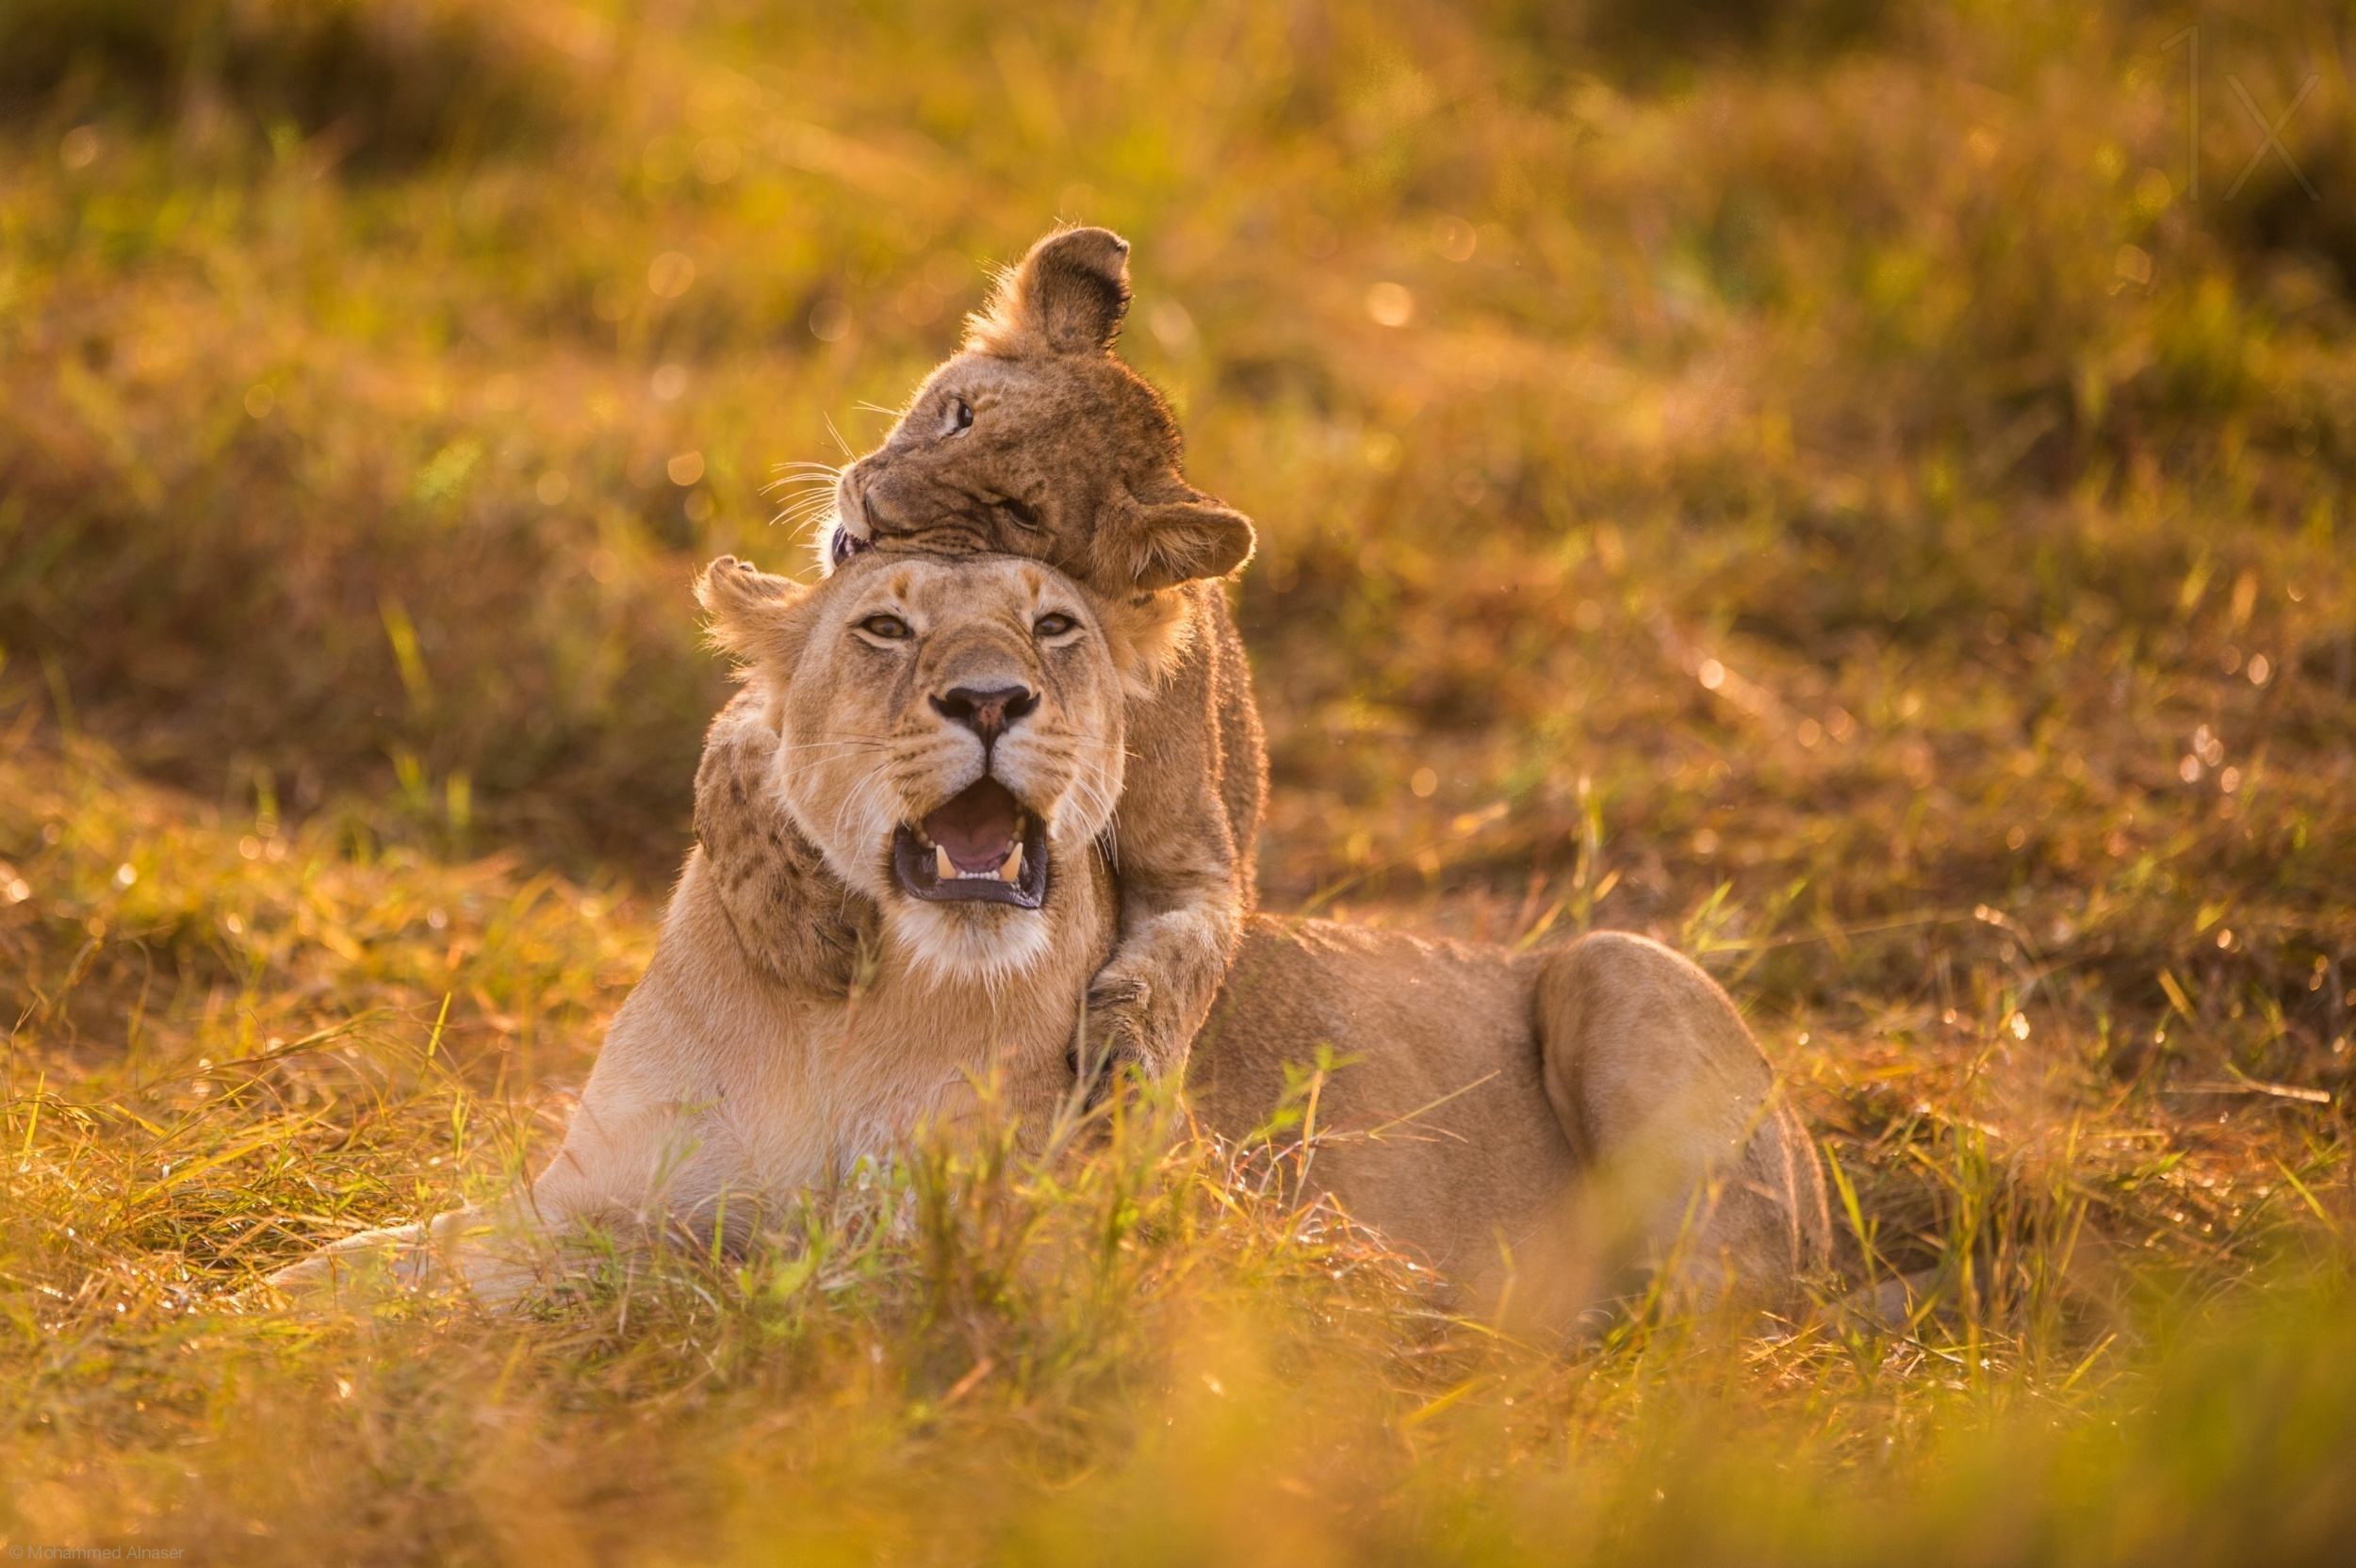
pixel 949 733
pixel 1034 439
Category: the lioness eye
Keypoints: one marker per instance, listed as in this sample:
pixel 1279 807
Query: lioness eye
pixel 890 628
pixel 960 415
pixel 1054 625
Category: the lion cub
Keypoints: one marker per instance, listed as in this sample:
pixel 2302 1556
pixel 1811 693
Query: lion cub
pixel 1034 439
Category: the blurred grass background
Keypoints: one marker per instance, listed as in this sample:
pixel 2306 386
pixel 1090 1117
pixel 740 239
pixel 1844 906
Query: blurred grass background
pixel 1859 490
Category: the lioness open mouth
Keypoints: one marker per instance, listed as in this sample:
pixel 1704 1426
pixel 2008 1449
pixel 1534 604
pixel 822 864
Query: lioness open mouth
pixel 978 846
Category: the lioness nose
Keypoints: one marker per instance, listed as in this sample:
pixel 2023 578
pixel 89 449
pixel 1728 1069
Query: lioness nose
pixel 988 713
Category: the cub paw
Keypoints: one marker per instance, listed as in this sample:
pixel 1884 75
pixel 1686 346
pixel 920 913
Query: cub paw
pixel 1119 1035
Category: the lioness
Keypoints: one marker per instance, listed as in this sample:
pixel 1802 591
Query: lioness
pixel 951 736
pixel 1035 439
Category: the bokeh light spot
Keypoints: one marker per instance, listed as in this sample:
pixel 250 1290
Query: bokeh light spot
pixel 670 274
pixel 1390 304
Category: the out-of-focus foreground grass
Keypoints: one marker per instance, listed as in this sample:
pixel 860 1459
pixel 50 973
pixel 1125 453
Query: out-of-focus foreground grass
pixel 1859 490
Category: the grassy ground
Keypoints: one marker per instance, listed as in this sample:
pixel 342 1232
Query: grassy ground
pixel 1862 495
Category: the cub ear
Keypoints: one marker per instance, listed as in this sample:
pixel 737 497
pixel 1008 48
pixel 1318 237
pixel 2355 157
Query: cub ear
pixel 1160 545
pixel 751 613
pixel 1068 297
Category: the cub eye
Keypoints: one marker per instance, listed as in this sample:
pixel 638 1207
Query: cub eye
pixel 890 628
pixel 1053 625
pixel 960 415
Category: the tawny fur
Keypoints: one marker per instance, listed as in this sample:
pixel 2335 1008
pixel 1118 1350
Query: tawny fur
pixel 726 1081
pixel 1541 1129
pixel 1528 1125
pixel 1035 439
pixel 767 880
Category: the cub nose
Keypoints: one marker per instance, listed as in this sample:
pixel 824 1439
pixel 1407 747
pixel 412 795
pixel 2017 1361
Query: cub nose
pixel 869 498
pixel 988 713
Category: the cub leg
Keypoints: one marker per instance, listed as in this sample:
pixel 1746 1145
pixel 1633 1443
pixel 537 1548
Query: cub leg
pixel 1687 1154
pixel 1150 1000
pixel 1183 847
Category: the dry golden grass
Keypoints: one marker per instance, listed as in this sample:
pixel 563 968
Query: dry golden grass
pixel 1826 487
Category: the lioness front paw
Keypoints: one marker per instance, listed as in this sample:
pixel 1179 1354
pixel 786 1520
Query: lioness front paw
pixel 458 1251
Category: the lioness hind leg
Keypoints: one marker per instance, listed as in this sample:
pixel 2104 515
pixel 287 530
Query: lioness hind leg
pixel 1688 1158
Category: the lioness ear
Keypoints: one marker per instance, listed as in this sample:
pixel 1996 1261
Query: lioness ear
pixel 1160 545
pixel 752 613
pixel 1068 297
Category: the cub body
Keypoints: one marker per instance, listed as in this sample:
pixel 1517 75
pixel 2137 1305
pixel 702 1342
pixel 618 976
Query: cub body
pixel 1034 439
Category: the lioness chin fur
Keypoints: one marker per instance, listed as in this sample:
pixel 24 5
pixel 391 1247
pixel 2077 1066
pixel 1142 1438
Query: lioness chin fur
pixel 1525 1124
